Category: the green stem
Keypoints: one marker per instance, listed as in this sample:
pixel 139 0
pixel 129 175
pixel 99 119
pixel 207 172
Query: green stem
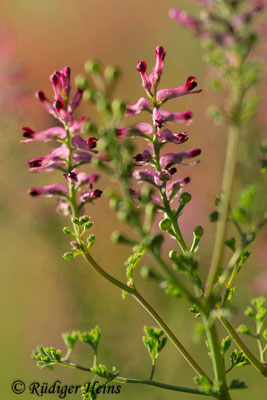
pixel 228 178
pixel 161 385
pixel 149 382
pixel 217 357
pixel 253 360
pixel 170 334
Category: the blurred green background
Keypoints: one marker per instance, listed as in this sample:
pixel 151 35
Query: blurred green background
pixel 41 294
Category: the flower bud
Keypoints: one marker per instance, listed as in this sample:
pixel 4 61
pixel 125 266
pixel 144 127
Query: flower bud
pixel 185 197
pixel 92 67
pixel 111 74
pixel 165 224
pixel 198 232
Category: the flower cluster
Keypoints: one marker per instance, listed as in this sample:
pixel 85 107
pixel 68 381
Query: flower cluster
pixel 72 152
pixel 160 169
pixel 211 21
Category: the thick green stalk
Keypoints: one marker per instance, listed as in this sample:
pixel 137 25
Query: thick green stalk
pixel 227 185
pixel 217 357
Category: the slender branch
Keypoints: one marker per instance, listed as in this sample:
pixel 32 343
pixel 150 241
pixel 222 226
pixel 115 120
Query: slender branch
pixel 162 385
pixel 149 382
pixel 242 346
pixel 170 334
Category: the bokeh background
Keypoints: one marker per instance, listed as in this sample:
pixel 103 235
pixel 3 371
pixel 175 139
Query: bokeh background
pixel 41 294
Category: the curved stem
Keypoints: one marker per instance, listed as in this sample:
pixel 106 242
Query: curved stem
pixel 228 178
pixel 170 334
pixel 232 332
pixel 149 309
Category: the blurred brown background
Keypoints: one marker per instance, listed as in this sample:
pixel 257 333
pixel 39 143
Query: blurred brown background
pixel 41 294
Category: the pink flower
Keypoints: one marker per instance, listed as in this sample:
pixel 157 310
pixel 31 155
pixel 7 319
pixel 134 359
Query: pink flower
pixel 79 143
pixel 185 19
pixel 87 179
pixel 167 94
pixel 143 158
pixel 167 160
pixel 139 130
pixel 158 69
pixel 177 138
pixel 178 117
pixel 62 108
pixel 173 188
pixel 57 132
pixel 146 83
pixel 134 109
pixel 56 159
pixel 75 102
pixel 152 176
pixel 47 191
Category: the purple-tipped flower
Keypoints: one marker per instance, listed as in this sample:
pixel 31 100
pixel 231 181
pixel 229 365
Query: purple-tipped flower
pixel 143 158
pixel 167 94
pixel 151 176
pixel 134 109
pixel 158 69
pixel 79 143
pixel 48 106
pixel 170 159
pixel 47 191
pixel 139 130
pixel 75 102
pixel 56 132
pixel 177 138
pixel 56 159
pixel 173 188
pixel 176 117
pixel 146 83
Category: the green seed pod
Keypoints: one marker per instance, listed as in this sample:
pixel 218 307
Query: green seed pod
pixel 185 197
pixel 165 224
pixel 118 107
pixel 92 67
pixel 81 82
pixel 111 74
pixel 198 231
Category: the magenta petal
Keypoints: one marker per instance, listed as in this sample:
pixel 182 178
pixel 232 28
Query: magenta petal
pixel 48 191
pixel 43 136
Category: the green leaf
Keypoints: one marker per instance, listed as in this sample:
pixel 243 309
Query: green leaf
pixel 204 384
pixel 230 243
pixel 264 334
pixel 237 384
pixel 102 371
pixel 90 240
pixel 214 216
pixel 243 329
pixel 67 231
pixel 92 337
pixel 69 255
pixel 46 356
pixel 238 358
pixel 173 290
pixel 70 339
pixel 84 219
pixel 134 259
pixel 226 343
pixel 186 264
pixel 153 341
